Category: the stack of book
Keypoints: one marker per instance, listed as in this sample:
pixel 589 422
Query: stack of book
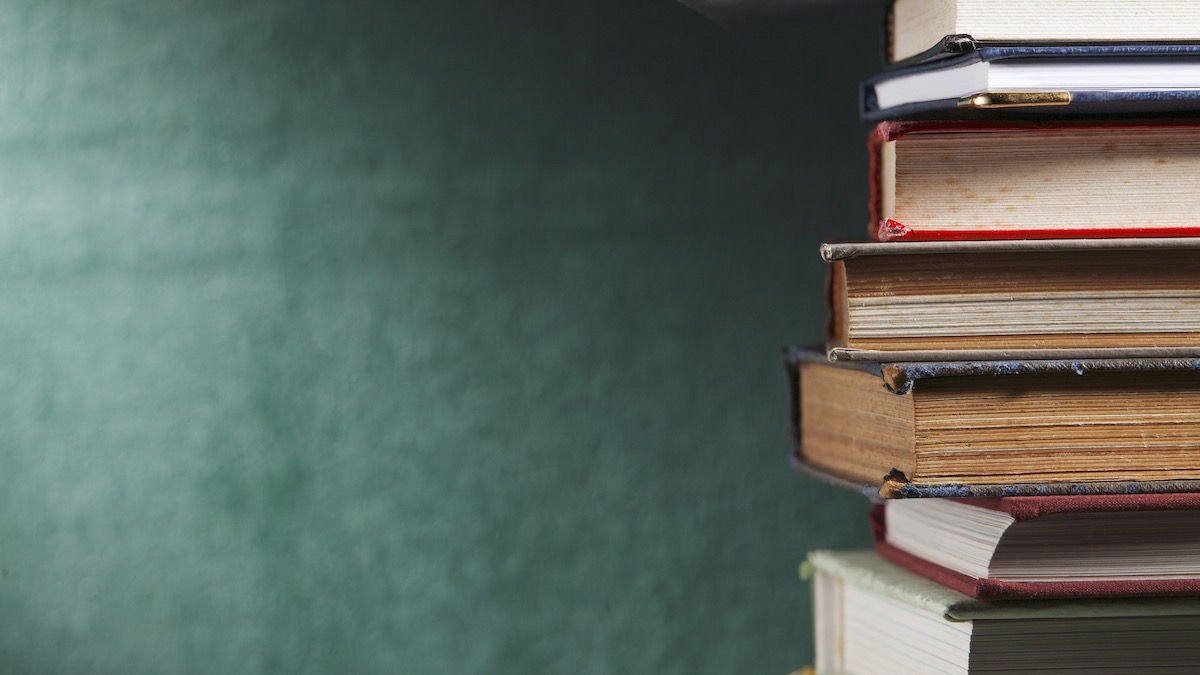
pixel 1012 363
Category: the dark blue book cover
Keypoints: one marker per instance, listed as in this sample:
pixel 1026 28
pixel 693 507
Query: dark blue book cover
pixel 1180 98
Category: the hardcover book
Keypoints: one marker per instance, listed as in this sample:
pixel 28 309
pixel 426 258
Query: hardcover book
pixel 1073 546
pixel 961 429
pixel 922 29
pixel 950 180
pixel 1041 80
pixel 874 617
pixel 1017 299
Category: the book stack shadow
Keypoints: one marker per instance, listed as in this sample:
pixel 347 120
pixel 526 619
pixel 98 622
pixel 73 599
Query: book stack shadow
pixel 1011 372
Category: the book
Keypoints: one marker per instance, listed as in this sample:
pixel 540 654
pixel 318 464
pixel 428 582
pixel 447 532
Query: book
pixel 918 29
pixel 997 428
pixel 1014 299
pixel 1072 546
pixel 1041 80
pixel 874 617
pixel 949 180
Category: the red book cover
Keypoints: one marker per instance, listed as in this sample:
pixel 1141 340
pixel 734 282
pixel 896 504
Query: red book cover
pixel 1028 508
pixel 889 229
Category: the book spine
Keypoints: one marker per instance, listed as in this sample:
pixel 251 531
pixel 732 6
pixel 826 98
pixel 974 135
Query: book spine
pixel 875 143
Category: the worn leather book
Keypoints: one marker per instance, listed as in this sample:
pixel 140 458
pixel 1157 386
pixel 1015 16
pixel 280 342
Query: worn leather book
pixel 998 428
pixel 1070 546
pixel 874 617
pixel 1063 178
pixel 1020 299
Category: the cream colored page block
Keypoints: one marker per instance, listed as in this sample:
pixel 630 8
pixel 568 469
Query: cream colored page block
pixel 1078 20
pixel 919 25
pixel 1049 179
pixel 1068 312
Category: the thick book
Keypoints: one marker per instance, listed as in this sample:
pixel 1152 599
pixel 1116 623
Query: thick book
pixel 924 29
pixel 1013 299
pixel 1071 546
pixel 1041 80
pixel 993 179
pixel 997 428
pixel 871 616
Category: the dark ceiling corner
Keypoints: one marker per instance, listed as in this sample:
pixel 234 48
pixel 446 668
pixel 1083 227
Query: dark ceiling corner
pixel 735 13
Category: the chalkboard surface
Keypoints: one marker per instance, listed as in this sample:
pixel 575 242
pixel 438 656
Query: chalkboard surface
pixel 416 337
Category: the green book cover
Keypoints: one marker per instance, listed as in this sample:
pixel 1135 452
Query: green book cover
pixel 875 617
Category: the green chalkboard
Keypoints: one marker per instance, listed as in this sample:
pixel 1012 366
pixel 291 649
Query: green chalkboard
pixel 377 337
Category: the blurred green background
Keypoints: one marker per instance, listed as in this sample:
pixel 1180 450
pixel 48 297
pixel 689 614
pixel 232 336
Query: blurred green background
pixel 413 336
